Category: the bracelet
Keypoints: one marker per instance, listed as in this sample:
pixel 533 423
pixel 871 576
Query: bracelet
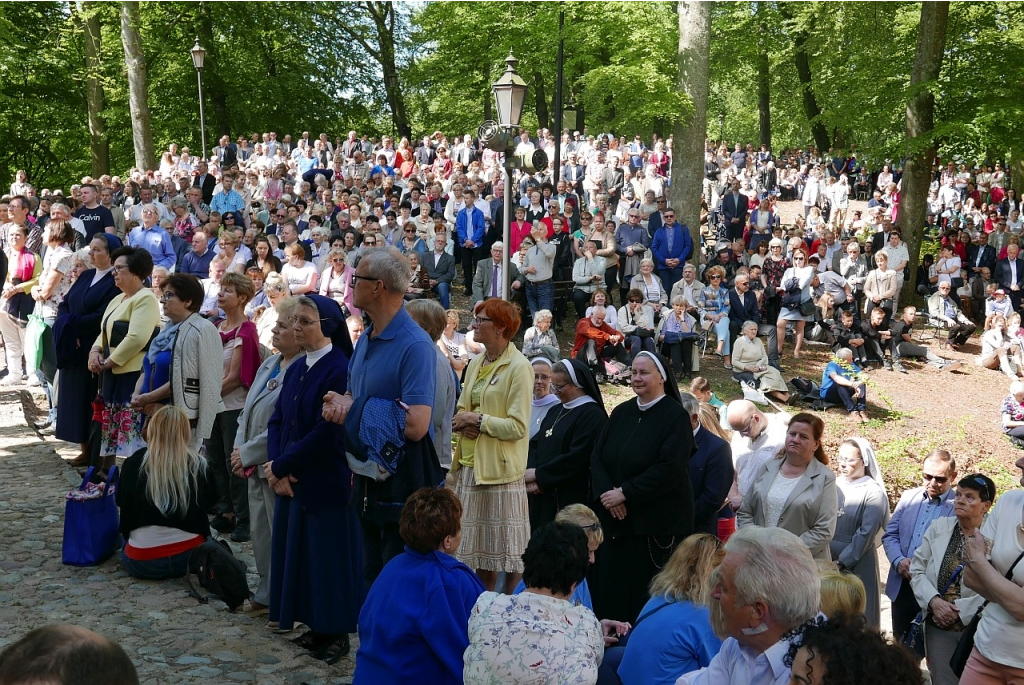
pixel 480 422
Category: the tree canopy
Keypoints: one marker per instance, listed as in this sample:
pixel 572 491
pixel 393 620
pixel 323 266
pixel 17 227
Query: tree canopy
pixel 405 68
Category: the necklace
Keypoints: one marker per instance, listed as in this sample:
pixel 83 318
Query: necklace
pixel 565 412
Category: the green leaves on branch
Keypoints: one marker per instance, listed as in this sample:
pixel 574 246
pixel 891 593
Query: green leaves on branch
pixel 639 97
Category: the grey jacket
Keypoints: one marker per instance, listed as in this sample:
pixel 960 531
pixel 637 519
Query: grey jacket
pixel 811 508
pixel 197 369
pixel 251 438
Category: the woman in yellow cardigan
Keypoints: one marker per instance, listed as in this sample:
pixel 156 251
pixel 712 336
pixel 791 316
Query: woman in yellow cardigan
pixel 129 322
pixel 489 464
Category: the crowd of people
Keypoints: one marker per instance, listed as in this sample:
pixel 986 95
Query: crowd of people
pixel 267 336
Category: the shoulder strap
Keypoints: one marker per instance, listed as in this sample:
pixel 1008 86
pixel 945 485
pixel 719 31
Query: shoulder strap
pixel 1008 575
pixel 650 613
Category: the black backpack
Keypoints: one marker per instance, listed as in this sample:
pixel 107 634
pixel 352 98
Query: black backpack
pixel 219 573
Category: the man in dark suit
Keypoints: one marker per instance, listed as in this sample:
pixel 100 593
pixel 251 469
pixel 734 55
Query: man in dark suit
pixel 441 269
pixel 980 256
pixel 734 212
pixel 487 279
pixel 205 181
pixel 289 235
pixel 572 174
pixel 881 238
pixel 711 473
pixel 743 306
pixel 1010 274
pixel 613 180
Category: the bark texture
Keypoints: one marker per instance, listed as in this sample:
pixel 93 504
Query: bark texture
pixel 138 88
pixel 694 57
pixel 99 144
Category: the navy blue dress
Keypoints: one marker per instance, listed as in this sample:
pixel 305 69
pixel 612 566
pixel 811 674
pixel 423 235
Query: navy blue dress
pixel 74 332
pixel 316 573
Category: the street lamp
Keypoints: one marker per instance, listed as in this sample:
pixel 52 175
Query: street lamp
pixel 509 95
pixel 198 57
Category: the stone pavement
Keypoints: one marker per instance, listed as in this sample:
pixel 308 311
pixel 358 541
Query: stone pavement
pixel 169 636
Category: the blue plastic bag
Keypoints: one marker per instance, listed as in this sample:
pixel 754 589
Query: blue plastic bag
pixel 91 532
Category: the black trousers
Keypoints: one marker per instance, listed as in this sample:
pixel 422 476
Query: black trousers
pixel 681 355
pixel 381 544
pixel 231 493
pixel 469 259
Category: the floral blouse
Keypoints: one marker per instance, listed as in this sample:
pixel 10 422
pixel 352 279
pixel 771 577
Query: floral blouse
pixel 773 271
pixel 1012 408
pixel 531 638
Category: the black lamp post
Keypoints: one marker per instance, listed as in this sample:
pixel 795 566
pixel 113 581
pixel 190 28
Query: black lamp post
pixel 509 96
pixel 198 58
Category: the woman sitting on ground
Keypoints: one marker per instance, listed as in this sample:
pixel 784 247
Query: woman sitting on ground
pixel 1012 412
pixel 161 498
pixel 750 364
pixel 999 350
pixel 674 634
pixel 413 623
pixel 538 636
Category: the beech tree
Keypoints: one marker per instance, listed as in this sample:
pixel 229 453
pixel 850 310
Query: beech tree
pixel 138 88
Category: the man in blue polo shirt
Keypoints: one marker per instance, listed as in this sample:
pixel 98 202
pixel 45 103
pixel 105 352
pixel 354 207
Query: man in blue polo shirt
pixel 394 360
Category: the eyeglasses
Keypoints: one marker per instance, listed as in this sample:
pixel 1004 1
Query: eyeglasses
pixel 410 231
pixel 117 268
pixel 168 295
pixel 477 320
pixel 355 278
pixel 745 432
pixel 303 321
pixel 558 388
pixel 635 301
pixel 938 479
pixel 714 278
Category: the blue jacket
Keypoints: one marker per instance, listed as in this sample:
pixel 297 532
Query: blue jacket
pixel 898 533
pixel 470 225
pixel 682 246
pixel 711 473
pixel 413 627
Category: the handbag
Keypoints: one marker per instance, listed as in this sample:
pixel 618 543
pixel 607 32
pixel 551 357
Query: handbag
pixel 20 305
pixel 91 521
pixel 965 646
pixel 34 332
pixel 808 308
pixel 913 639
pixel 641 332
pixel 886 304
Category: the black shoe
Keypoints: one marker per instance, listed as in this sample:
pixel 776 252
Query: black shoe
pixel 887 364
pixel 335 651
pixel 240 533
pixel 898 366
pixel 222 524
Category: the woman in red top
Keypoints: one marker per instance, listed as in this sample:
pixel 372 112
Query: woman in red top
pixel 519 230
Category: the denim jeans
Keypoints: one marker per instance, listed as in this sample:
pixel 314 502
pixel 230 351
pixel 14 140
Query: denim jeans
pixel 540 296
pixel 444 293
pixel 174 566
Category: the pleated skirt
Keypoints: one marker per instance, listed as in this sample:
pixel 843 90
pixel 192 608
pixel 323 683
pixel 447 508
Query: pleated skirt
pixel 495 523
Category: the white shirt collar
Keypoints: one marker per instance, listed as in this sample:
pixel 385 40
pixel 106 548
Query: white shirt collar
pixel 313 357
pixel 578 402
pixel 644 407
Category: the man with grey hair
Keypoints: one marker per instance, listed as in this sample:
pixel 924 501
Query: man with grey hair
pixel 487 278
pixel 394 359
pixel 766 586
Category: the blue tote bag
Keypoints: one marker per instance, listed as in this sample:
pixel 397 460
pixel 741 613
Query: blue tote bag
pixel 91 532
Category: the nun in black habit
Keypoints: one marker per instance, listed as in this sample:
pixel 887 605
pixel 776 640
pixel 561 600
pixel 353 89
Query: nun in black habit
pixel 558 465
pixel 316 574
pixel 641 489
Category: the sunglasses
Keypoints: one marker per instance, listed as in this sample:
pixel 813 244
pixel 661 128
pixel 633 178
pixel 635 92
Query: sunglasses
pixel 938 479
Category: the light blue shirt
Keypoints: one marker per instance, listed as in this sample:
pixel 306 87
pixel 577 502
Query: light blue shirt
pixel 227 202
pixel 157 242
pixel 925 515
pixel 738 665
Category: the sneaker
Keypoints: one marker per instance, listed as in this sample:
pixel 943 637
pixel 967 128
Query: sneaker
pixel 950 366
pixel 898 366
pixel 10 380
pixel 33 381
pixel 887 363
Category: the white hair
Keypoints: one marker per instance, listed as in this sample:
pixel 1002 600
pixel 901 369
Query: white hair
pixel 777 569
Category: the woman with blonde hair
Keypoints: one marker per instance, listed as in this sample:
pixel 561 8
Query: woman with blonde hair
pixel 842 593
pixel 335 281
pixel 161 498
pixel 673 634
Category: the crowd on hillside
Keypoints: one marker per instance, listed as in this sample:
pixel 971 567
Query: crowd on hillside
pixel 267 335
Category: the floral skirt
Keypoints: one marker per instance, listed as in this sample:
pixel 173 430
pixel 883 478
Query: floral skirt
pixel 121 426
pixel 495 523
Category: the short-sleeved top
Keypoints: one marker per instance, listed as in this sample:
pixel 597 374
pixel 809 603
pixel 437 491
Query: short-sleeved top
pixel 236 398
pixel 57 259
pixel 834 367
pixel 1000 635
pixel 398 363
pixel 95 220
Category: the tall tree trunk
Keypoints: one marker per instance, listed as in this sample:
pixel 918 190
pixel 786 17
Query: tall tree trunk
pixel 763 80
pixel 488 94
pixel 803 72
pixel 917 171
pixel 694 55
pixel 138 93
pixel 99 144
pixel 383 15
pixel 541 106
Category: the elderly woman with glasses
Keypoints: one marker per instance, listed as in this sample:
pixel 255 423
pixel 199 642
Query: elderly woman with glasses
pixel 411 242
pixel 937 574
pixel 865 512
pixel 539 339
pixel 335 279
pixel 490 458
pixel 558 465
pixel 316 557
pixel 713 302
